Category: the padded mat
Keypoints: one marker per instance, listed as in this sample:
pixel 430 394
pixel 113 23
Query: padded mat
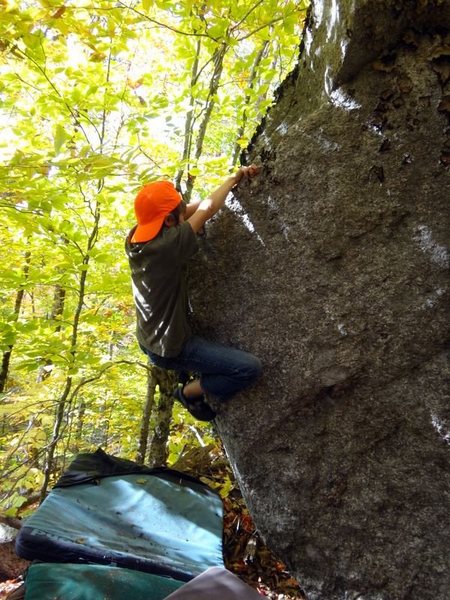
pixel 164 523
pixel 52 581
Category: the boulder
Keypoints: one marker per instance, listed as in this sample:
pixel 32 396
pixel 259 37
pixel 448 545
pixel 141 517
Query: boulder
pixel 333 266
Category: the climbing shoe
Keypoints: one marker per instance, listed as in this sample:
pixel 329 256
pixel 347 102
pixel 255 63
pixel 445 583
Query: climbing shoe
pixel 198 407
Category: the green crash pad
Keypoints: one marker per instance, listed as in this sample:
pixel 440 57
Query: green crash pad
pixel 55 581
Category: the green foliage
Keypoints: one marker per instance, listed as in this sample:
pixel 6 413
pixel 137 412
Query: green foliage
pixel 96 100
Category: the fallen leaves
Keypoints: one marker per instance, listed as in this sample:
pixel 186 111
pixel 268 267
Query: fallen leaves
pixel 9 586
pixel 245 552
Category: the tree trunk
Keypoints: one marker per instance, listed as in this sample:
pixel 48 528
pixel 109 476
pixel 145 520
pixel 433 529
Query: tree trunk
pixel 4 369
pixel 6 359
pixel 58 422
pixel 162 415
pixel 146 415
pixel 189 123
pixel 250 85
pixel 81 411
pixel 158 451
pixel 59 297
pixel 340 278
pixel 63 400
pixel 210 102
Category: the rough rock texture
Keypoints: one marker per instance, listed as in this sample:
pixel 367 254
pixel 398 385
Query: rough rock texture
pixel 333 267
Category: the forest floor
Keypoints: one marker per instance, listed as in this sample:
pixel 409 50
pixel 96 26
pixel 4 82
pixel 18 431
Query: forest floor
pixel 245 553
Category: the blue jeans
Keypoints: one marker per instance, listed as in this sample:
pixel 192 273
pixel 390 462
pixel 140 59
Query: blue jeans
pixel 223 371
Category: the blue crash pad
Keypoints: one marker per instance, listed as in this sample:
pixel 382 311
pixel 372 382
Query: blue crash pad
pixel 164 523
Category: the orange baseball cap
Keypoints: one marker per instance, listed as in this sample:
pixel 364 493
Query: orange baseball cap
pixel 151 206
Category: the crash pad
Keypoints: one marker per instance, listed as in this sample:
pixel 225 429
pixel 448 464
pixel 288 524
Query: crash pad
pixel 56 581
pixel 159 521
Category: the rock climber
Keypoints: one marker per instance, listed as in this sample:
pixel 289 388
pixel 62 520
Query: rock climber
pixel 159 248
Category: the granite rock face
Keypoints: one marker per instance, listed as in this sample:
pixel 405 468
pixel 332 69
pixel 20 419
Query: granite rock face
pixel 334 268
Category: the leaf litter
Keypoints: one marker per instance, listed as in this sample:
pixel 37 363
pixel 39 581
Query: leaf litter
pixel 245 552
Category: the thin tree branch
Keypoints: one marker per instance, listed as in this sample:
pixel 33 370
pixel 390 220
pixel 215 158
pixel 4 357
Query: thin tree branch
pixel 190 119
pixel 48 404
pixel 251 83
pixel 250 10
pixel 55 89
pixel 200 71
pixel 165 25
pixel 264 25
pixel 147 156
pixel 100 374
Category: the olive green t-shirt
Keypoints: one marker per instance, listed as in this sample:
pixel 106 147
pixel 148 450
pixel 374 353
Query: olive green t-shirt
pixel 158 272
